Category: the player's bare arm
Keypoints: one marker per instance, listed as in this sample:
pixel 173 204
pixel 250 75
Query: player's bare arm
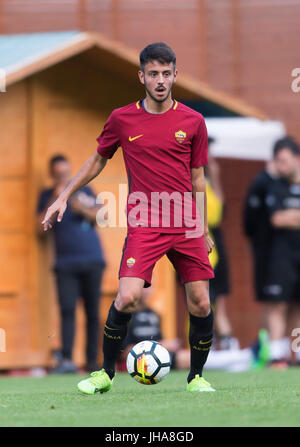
pixel 199 185
pixel 91 169
pixel 289 218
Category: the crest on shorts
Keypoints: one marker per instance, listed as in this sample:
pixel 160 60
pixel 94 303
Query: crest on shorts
pixel 130 262
pixel 180 136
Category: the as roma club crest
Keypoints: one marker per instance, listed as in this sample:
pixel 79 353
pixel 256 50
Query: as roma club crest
pixel 180 136
pixel 130 262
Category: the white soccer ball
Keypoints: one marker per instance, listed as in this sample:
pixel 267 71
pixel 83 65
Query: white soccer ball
pixel 148 362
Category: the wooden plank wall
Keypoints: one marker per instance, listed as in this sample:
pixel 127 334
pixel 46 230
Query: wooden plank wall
pixel 17 307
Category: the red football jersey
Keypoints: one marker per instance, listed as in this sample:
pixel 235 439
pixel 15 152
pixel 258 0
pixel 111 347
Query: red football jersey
pixel 159 151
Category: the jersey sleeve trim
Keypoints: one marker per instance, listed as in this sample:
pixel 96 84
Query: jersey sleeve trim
pixel 108 140
pixel 200 146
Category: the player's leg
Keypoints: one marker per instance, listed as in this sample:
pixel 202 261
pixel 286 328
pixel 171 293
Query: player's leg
pixel 140 253
pixel 200 331
pixel 115 330
pixel 119 315
pixel 190 259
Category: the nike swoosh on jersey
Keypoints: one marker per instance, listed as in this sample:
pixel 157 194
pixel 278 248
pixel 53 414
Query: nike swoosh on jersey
pixel 134 138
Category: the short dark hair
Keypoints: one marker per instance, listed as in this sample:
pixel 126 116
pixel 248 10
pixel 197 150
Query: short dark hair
pixel 287 142
pixel 56 159
pixel 158 51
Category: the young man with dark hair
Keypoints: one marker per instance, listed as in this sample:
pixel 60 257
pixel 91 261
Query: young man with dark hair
pixel 164 145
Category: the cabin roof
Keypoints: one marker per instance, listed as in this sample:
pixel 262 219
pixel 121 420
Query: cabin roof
pixel 23 55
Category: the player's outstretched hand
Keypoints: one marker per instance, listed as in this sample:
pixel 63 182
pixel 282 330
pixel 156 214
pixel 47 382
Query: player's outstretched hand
pixel 208 242
pixel 56 209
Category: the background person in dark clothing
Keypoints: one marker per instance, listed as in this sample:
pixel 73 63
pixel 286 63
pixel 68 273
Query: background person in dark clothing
pixel 283 285
pixel 79 262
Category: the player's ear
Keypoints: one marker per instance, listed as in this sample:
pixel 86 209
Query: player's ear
pixel 175 74
pixel 141 76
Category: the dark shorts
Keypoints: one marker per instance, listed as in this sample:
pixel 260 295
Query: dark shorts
pixel 143 248
pixel 283 283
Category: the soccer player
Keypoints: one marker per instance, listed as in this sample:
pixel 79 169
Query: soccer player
pixel 164 146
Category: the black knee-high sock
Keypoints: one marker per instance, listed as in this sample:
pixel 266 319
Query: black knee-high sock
pixel 200 338
pixel 115 331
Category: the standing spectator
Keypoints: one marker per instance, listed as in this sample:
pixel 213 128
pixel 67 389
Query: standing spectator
pixel 257 226
pixel 219 285
pixel 79 262
pixel 283 285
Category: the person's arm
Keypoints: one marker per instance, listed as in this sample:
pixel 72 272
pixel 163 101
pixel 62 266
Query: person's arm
pixel 85 204
pixel 91 168
pixel 254 207
pixel 289 219
pixel 213 171
pixel 199 185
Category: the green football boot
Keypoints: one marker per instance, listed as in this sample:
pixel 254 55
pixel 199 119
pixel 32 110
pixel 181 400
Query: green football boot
pixel 261 351
pixel 99 382
pixel 198 385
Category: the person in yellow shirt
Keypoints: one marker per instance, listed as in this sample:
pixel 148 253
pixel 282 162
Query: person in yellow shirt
pixel 219 286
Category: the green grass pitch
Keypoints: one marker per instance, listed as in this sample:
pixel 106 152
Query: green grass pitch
pixel 264 398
